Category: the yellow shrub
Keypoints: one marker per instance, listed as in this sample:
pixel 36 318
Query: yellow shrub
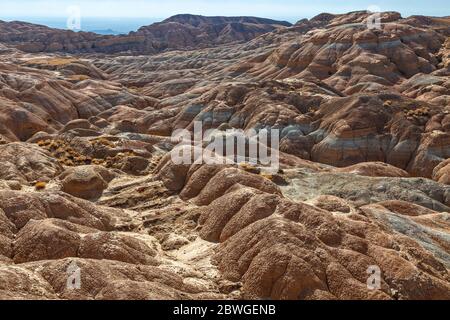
pixel 249 168
pixel 40 185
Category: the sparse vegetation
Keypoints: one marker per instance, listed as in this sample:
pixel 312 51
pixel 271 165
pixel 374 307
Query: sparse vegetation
pixel 418 113
pixel 51 61
pixel 388 104
pixel 67 156
pixel 249 168
pixel 40 185
pixel 103 142
pixel 78 77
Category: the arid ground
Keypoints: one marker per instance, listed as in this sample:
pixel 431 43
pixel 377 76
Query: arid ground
pixel 87 181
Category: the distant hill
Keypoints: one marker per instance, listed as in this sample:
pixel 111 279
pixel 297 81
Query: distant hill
pixel 180 32
pixel 106 32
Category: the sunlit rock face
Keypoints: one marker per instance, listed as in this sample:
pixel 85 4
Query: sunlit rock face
pixel 93 205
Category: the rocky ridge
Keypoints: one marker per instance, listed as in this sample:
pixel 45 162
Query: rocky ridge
pixel 177 32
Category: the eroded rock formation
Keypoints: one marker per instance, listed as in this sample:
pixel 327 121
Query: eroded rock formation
pixel 87 181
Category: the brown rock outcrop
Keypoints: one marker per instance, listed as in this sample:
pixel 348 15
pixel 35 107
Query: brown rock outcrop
pixel 27 163
pixel 441 173
pixel 86 182
pixel 374 169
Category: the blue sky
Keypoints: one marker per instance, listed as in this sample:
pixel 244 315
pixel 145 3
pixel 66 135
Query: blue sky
pixel 280 9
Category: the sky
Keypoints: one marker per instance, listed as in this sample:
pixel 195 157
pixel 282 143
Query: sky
pixel 55 11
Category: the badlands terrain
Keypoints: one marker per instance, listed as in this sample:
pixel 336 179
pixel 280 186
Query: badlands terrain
pixel 87 180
